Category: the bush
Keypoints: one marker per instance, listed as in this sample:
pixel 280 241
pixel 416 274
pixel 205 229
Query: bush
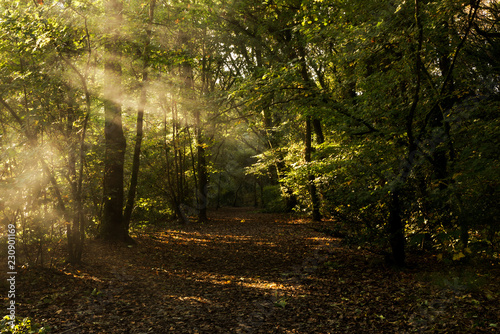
pixel 21 325
pixel 272 199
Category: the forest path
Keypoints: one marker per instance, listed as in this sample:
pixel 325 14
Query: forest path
pixel 241 272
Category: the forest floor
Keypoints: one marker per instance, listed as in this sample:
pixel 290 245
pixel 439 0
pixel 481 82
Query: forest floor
pixel 250 272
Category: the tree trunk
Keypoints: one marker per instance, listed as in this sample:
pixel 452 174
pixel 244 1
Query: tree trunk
pixel 76 230
pixel 136 160
pixel 316 215
pixel 113 226
pixel 308 140
pixel 140 119
pixel 436 115
pixel 395 226
pixel 396 230
pixel 201 149
pixel 320 138
pixel 201 171
pixel 281 172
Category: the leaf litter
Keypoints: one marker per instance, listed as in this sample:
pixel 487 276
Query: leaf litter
pixel 250 272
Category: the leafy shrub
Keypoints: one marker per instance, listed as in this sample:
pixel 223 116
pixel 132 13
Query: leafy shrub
pixel 21 325
pixel 273 200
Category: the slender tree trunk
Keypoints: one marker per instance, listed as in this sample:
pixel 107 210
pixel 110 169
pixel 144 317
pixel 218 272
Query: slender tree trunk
pixel 171 177
pixel 395 226
pixel 316 215
pixel 255 197
pixel 396 230
pixel 201 171
pixel 113 226
pixel 140 119
pixel 201 149
pixel 73 228
pixel 127 214
pixel 193 162
pixel 436 115
pixel 76 231
pixel 318 130
pixel 272 143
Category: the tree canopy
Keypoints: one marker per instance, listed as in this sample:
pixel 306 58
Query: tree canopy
pixel 383 116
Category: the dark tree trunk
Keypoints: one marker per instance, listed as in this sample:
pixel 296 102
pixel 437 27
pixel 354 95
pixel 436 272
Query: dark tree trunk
pixel 396 230
pixel 140 119
pixel 320 138
pixel 172 177
pixel 113 227
pixel 255 196
pixel 202 172
pixel 201 149
pixel 316 215
pixel 76 230
pixel 444 144
pixel 127 215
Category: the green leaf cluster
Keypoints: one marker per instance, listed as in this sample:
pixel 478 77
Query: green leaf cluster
pixel 21 326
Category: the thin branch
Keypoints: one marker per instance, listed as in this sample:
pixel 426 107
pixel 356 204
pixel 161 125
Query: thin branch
pixel 12 112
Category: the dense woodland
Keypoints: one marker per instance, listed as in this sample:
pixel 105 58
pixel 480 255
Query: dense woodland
pixel 378 118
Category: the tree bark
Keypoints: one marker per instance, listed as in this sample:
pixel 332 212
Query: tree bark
pixel 318 130
pixel 316 215
pixel 395 224
pixel 76 231
pixel 201 171
pixel 140 120
pixel 113 226
pixel 201 149
pixel 396 230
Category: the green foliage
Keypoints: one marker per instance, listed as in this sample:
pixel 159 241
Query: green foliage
pixel 281 302
pixel 21 326
pixel 406 96
pixel 363 58
pixel 151 211
pixel 272 199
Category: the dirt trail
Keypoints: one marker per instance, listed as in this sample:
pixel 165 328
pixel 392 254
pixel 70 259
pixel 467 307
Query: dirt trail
pixel 241 272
